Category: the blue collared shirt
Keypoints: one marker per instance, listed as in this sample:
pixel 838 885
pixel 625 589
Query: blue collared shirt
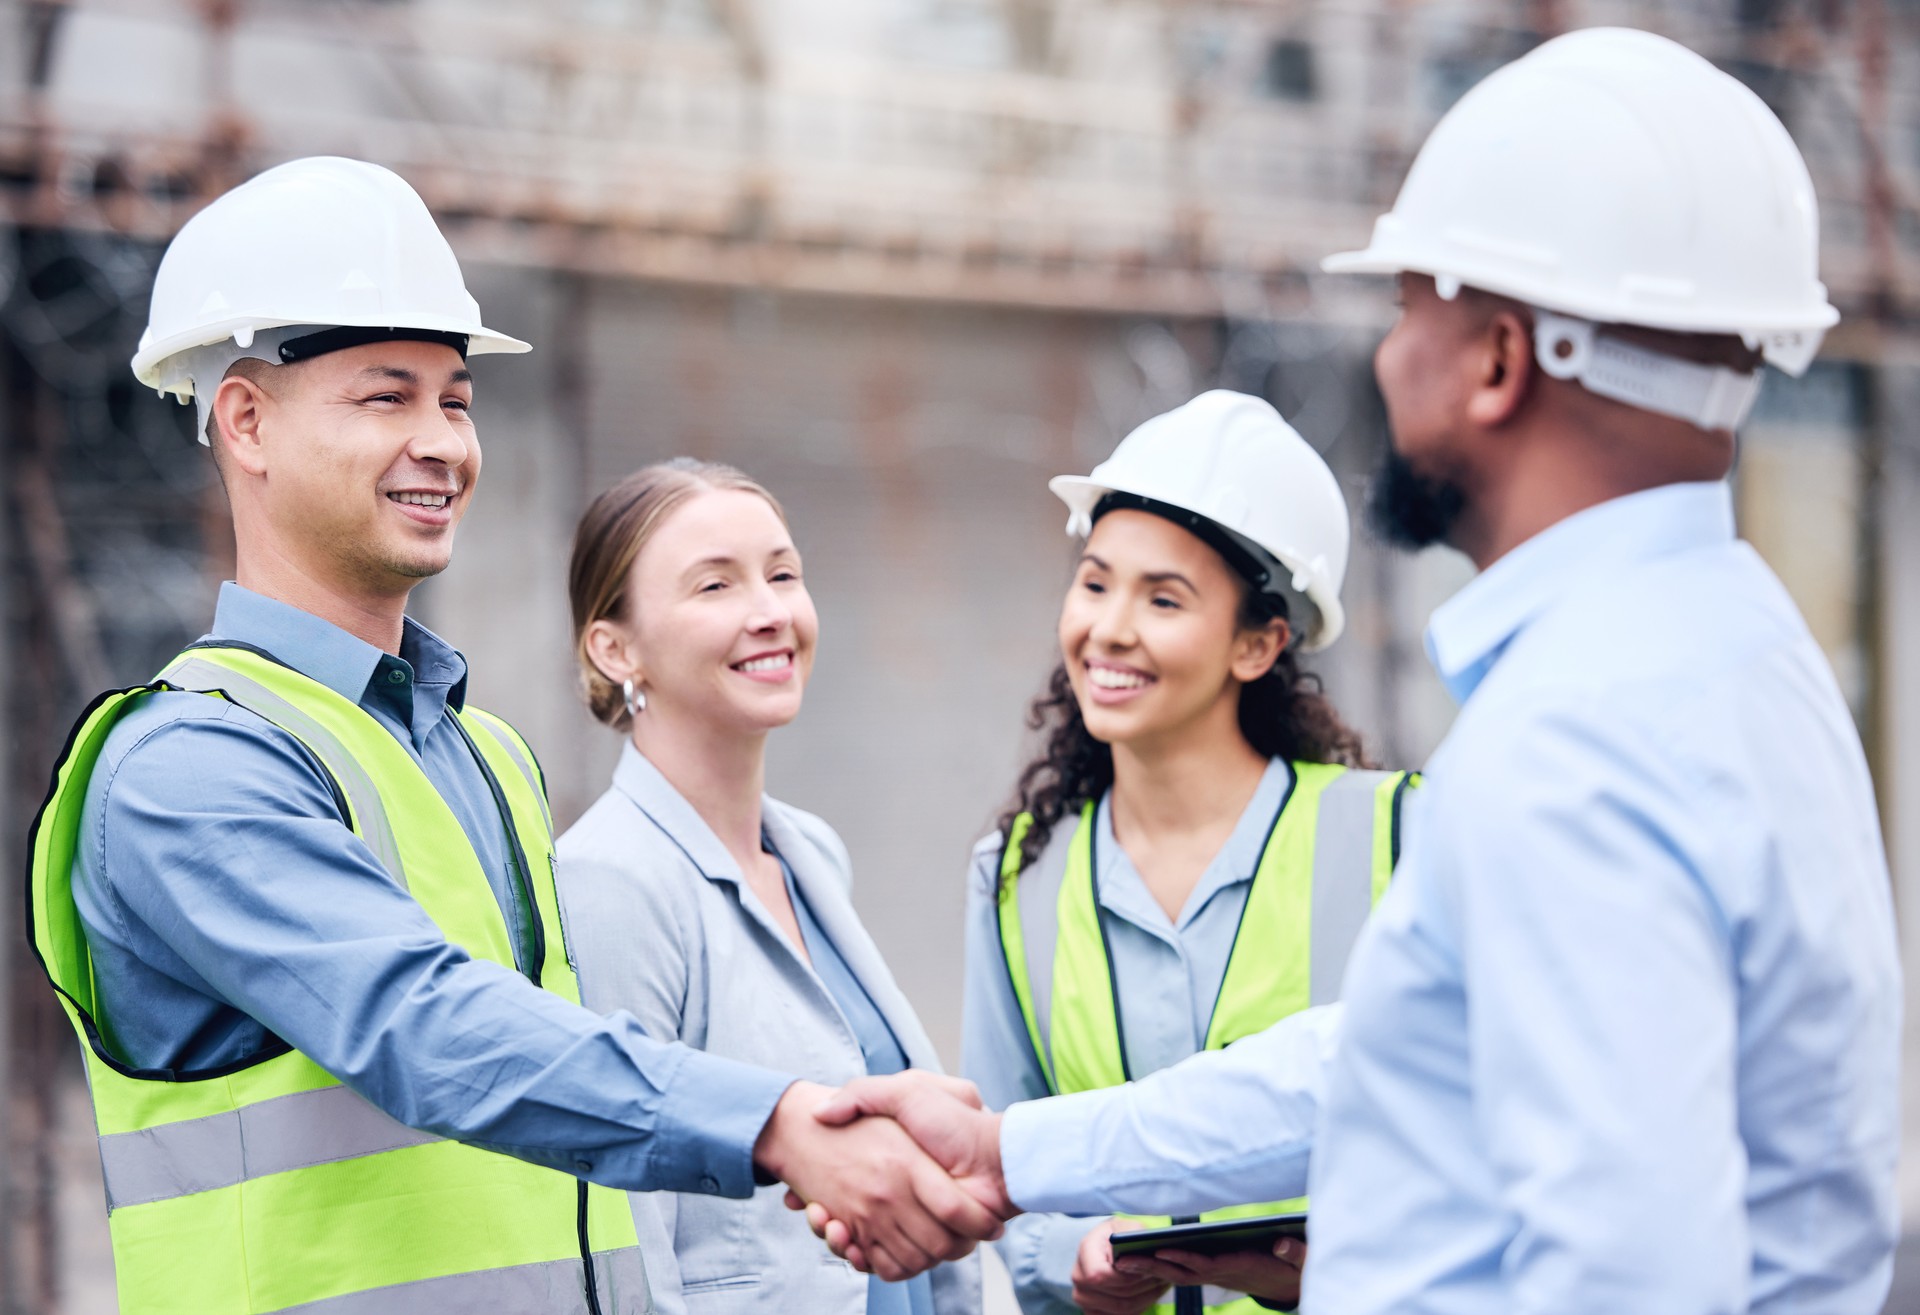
pixel 1168 974
pixel 226 905
pixel 1624 1033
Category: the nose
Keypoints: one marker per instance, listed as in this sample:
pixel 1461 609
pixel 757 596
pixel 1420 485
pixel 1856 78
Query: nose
pixel 770 613
pixel 1112 627
pixel 436 438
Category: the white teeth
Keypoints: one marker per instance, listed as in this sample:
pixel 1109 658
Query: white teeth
pixel 1108 678
pixel 422 499
pixel 767 663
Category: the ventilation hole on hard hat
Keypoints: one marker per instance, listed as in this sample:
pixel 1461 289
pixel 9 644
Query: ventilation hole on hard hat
pixel 1563 349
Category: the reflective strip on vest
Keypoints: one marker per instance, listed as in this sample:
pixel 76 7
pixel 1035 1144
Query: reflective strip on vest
pixel 1344 842
pixel 271 1187
pixel 546 1286
pixel 509 739
pixel 1325 863
pixel 274 1136
pixel 369 813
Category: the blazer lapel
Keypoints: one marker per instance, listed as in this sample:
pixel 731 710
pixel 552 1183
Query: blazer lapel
pixel 655 796
pixel 825 889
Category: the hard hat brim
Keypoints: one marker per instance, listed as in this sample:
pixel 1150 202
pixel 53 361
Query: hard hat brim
pixel 1082 494
pixel 1375 259
pixel 151 356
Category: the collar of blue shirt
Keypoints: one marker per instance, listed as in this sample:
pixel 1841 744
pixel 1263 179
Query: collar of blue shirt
pixel 1472 629
pixel 323 651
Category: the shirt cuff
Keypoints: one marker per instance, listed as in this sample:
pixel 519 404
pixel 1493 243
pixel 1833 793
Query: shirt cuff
pixel 710 1116
pixel 1044 1155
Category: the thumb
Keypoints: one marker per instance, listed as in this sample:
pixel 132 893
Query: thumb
pixel 861 1096
pixel 947 1085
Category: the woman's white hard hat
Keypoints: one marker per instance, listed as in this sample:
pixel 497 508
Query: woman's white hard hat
pixel 1616 176
pixel 325 242
pixel 1230 459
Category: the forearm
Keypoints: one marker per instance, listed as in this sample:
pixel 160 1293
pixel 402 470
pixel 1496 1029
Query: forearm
pixel 1223 1128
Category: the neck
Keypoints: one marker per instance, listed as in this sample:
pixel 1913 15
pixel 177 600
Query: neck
pixel 722 775
pixel 1563 468
pixel 1186 782
pixel 377 618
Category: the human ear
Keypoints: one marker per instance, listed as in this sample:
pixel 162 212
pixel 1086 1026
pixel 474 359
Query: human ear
pixel 239 415
pixel 610 649
pixel 1504 369
pixel 1256 650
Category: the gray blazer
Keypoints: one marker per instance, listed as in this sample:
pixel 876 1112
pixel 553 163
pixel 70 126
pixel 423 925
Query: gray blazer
pixel 662 924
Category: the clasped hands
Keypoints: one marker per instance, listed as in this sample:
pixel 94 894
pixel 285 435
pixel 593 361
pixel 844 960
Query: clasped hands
pixel 897 1174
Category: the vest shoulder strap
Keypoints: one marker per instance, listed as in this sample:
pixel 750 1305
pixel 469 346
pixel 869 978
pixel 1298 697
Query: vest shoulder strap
pixel 1029 916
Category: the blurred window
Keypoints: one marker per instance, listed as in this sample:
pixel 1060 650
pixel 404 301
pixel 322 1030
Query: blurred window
pixel 1290 72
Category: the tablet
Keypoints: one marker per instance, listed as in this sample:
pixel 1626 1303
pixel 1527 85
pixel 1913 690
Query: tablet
pixel 1254 1233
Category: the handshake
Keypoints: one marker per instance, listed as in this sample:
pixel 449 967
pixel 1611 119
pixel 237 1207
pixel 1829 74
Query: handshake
pixel 897 1173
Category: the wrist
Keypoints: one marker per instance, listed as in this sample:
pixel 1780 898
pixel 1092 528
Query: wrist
pixel 772 1149
pixel 996 1172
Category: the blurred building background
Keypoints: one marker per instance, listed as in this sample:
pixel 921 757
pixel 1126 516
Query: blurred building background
pixel 901 260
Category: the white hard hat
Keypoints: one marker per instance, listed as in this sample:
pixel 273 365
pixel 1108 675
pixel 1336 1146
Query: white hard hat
pixel 1235 465
pixel 324 242
pixel 1617 177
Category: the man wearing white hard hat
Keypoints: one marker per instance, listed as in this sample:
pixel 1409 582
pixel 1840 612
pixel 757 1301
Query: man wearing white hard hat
pixel 297 896
pixel 1624 1033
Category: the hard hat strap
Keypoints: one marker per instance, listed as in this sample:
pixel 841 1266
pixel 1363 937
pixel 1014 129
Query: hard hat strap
pixel 1264 577
pixel 310 345
pixel 1708 396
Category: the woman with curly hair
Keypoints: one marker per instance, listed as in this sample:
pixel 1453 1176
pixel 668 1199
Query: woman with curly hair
pixel 1193 852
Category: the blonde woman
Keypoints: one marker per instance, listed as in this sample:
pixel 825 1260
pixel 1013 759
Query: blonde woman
pixel 716 915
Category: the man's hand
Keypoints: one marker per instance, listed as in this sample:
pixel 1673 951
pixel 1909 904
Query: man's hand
pixel 944 1116
pixel 1272 1277
pixel 1101 1289
pixel 898 1206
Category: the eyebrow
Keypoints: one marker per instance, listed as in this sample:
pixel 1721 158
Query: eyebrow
pixel 1151 577
pixel 401 375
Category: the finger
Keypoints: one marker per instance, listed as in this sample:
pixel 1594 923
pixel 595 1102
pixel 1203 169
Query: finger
pixel 1292 1250
pixel 1192 1262
pixel 1153 1269
pixel 958 1211
pixel 793 1200
pixel 817 1218
pixel 886 1266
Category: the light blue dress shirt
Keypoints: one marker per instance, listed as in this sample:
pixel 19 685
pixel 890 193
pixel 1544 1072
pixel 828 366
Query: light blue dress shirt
pixel 1624 1033
pixel 883 1054
pixel 1168 975
pixel 230 912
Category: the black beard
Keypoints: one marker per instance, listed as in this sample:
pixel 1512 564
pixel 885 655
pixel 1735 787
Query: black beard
pixel 1409 509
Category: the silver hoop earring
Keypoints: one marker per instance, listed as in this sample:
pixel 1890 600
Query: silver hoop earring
pixel 636 701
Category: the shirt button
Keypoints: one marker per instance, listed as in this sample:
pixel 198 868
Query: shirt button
pixel 584 1166
pixel 710 1185
pixel 396 677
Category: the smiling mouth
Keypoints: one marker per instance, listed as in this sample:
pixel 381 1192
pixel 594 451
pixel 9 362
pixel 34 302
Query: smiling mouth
pixel 1112 678
pixel 771 662
pixel 434 501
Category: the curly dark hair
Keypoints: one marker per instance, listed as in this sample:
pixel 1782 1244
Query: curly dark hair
pixel 1284 714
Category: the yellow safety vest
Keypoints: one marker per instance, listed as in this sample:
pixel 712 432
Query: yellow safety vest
pixel 269 1186
pixel 1327 860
